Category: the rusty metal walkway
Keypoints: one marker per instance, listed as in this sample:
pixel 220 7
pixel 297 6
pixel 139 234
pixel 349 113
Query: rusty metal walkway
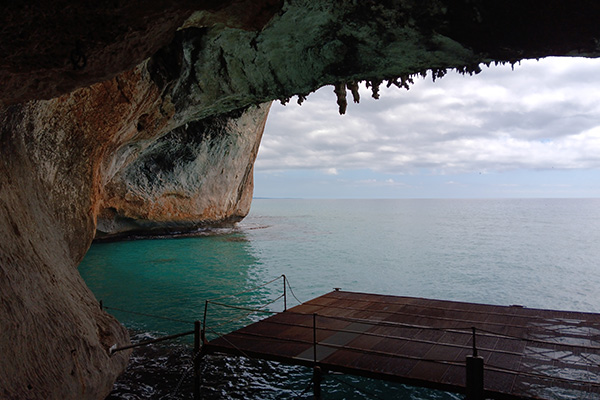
pixel 527 353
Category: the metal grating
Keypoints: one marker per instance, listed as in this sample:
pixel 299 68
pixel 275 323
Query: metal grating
pixel 528 353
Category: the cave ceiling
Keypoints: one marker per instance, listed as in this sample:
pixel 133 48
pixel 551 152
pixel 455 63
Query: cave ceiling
pixel 51 48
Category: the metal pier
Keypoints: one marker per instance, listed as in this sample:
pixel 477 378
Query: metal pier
pixel 484 351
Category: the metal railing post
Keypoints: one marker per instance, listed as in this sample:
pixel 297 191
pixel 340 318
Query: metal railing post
pixel 474 381
pixel 203 331
pixel 284 293
pixel 474 342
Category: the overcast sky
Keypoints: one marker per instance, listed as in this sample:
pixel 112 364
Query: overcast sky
pixel 531 132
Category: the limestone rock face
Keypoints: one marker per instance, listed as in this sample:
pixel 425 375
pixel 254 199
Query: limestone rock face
pixel 112 147
pixel 55 338
pixel 199 174
pixel 112 117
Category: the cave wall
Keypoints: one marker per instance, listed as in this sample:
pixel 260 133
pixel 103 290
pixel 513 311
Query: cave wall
pixel 73 151
pixel 55 338
pixel 64 162
pixel 113 146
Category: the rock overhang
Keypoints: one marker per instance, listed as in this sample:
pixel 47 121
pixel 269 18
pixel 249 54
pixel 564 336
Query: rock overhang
pixel 50 49
pixel 159 67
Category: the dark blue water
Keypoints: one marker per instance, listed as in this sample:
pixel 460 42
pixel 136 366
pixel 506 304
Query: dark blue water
pixel 535 252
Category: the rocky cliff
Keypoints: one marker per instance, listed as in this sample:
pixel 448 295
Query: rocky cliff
pixel 196 176
pixel 147 115
pixel 110 150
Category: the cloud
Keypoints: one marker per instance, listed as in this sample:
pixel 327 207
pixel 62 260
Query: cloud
pixel 543 115
pixel 389 182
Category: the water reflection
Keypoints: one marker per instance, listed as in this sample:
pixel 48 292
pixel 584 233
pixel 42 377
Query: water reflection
pixel 172 278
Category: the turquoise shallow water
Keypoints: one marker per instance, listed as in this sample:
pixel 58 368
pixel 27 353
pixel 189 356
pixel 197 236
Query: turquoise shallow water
pixel 535 252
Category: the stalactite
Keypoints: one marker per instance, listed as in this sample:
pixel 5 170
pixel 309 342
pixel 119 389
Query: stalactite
pixel 340 92
pixel 375 88
pixel 353 87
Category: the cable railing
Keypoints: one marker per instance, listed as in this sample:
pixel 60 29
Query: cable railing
pixel 474 365
pixel 200 327
pixel 473 331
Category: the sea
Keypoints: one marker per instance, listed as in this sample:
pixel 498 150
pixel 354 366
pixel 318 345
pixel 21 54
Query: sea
pixel 538 253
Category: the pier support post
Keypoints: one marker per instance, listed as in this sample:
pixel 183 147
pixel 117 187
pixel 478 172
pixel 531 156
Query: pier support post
pixel 474 378
pixel 197 348
pixel 474 373
pixel 317 373
pixel 317 378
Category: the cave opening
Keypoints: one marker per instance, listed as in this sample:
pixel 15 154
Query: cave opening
pixel 528 130
pixel 474 209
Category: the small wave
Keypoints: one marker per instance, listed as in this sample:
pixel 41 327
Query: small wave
pixel 164 371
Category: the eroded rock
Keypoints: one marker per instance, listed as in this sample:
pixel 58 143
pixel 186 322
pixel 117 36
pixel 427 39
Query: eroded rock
pixel 198 175
pixel 63 161
pixel 93 151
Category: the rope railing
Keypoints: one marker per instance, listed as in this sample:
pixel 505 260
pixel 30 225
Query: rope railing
pixel 474 364
pixel 490 367
pixel 249 290
pixel 213 301
pixel 471 330
pixel 201 328
pixel 260 309
pixel 482 332
pixel 460 330
pixel 449 319
pixel 249 311
pixel 146 314
pixel 113 350
pixel 287 282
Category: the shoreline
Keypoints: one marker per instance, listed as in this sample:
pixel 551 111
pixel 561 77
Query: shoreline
pixel 165 233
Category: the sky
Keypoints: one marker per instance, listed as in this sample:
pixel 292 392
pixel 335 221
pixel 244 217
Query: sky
pixel 528 132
